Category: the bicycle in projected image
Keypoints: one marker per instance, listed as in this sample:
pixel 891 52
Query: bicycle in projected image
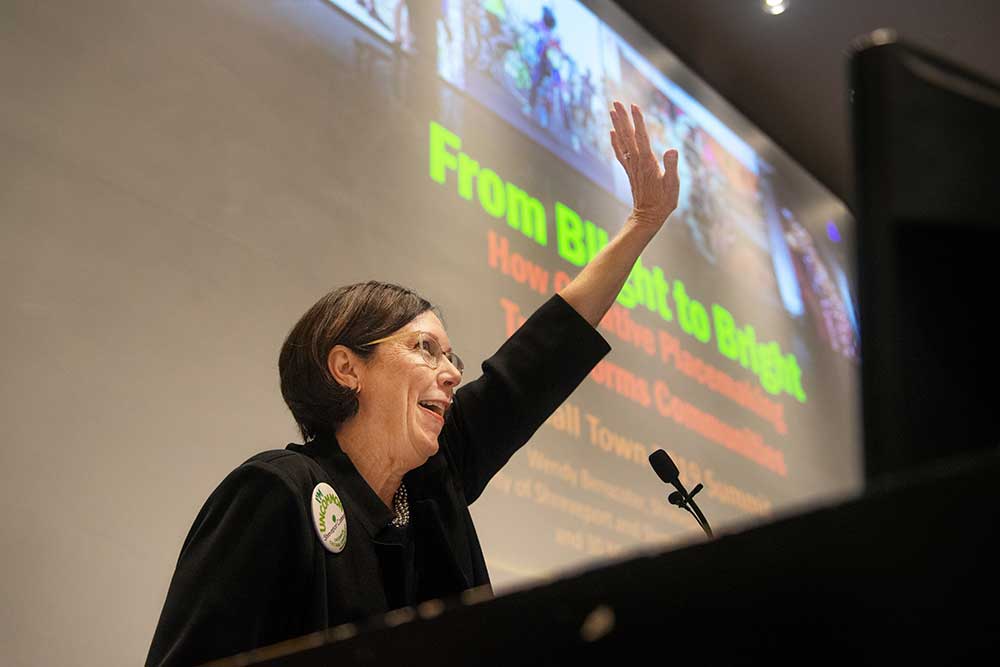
pixel 527 60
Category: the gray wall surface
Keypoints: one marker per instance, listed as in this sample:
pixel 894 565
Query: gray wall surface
pixel 144 293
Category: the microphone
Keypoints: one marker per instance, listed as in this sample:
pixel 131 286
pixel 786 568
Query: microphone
pixel 667 471
pixel 665 467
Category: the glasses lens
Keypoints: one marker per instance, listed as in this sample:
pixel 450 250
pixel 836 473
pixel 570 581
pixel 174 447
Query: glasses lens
pixel 432 353
pixel 429 350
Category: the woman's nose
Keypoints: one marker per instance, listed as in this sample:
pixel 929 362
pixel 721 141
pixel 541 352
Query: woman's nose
pixel 450 375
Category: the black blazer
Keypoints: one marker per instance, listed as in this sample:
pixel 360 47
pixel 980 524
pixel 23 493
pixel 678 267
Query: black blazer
pixel 253 571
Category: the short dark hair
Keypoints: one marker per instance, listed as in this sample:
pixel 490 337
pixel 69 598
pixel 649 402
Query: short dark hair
pixel 350 316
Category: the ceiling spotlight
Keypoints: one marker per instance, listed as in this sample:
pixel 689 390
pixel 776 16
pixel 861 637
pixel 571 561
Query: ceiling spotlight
pixel 775 6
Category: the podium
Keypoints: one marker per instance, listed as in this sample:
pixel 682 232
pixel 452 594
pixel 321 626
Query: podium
pixel 908 570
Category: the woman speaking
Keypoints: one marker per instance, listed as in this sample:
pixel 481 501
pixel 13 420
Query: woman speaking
pixel 371 513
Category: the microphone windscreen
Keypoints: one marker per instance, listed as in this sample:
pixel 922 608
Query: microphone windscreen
pixel 664 466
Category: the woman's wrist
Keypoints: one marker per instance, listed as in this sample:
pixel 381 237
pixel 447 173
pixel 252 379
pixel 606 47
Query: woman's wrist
pixel 642 225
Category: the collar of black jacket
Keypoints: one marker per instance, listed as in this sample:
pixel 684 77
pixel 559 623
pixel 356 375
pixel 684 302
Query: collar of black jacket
pixel 355 491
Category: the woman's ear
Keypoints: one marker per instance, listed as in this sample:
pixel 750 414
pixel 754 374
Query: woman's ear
pixel 345 367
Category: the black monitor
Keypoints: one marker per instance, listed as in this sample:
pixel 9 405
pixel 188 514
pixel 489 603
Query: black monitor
pixel 927 150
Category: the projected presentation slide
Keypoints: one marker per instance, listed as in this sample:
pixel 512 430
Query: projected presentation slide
pixel 478 169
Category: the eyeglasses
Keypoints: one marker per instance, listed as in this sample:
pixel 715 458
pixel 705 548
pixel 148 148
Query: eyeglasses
pixel 428 347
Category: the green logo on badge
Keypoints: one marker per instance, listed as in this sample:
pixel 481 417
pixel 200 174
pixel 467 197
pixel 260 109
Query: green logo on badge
pixel 324 504
pixel 329 517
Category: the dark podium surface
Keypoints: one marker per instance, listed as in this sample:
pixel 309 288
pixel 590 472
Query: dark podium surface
pixel 906 572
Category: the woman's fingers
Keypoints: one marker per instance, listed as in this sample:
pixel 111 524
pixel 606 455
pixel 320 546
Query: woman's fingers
pixel 617 148
pixel 617 124
pixel 670 163
pixel 641 137
pixel 623 127
pixel 670 180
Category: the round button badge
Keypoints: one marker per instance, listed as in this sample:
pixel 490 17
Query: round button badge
pixel 329 518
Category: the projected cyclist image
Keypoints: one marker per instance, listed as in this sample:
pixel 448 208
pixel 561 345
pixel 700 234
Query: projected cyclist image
pixel 538 67
pixel 371 512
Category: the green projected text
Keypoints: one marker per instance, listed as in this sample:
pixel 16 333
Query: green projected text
pixel 578 240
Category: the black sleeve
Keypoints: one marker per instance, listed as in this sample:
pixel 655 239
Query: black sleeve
pixel 237 572
pixel 530 376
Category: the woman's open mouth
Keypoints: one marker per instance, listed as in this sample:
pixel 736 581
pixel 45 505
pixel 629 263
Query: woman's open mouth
pixel 434 407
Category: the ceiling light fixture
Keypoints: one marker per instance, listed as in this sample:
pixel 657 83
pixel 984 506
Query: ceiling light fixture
pixel 774 7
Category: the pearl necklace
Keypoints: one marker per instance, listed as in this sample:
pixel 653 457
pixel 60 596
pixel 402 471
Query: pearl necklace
pixel 401 504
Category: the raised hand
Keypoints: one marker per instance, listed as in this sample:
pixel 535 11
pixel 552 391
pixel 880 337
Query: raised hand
pixel 654 189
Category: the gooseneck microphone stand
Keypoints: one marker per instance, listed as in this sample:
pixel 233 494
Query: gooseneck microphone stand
pixel 667 471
